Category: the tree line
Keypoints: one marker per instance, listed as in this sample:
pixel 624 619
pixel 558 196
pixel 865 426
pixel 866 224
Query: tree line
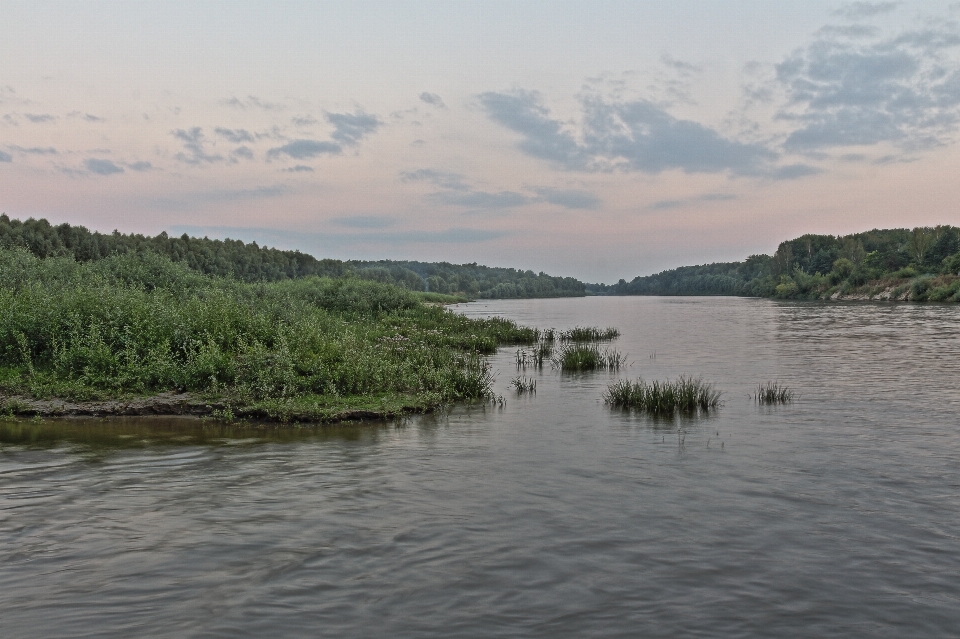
pixel 250 262
pixel 813 265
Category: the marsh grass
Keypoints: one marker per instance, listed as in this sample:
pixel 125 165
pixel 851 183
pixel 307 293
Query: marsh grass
pixel 136 325
pixel 773 393
pixel 524 385
pixel 534 356
pixel 683 395
pixel 588 334
pixel 578 357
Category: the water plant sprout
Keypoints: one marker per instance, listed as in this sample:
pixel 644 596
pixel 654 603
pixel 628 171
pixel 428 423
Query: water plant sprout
pixel 524 385
pixel 773 393
pixel 684 395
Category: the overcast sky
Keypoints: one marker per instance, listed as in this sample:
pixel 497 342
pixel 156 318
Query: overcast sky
pixel 593 139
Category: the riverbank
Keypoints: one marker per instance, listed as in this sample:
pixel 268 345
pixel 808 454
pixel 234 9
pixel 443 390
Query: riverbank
pixel 305 409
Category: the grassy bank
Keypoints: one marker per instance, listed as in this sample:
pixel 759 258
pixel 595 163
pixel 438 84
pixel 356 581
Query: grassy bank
pixel 128 327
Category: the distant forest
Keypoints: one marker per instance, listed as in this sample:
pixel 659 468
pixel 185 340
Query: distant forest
pixel 250 262
pixel 924 262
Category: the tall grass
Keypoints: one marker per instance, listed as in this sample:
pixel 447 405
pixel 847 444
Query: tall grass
pixel 588 334
pixel 136 325
pixel 534 356
pixel 685 395
pixel 773 393
pixel 576 357
pixel 523 385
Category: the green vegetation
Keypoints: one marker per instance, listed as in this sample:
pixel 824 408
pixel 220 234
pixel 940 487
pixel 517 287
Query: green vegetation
pixel 588 334
pixel 773 393
pixel 685 395
pixel 578 357
pixel 922 264
pixel 314 348
pixel 253 263
pixel 524 385
pixel 469 279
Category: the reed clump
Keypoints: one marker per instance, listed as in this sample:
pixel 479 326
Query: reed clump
pixel 524 385
pixel 683 395
pixel 588 334
pixel 773 393
pixel 578 357
pixel 534 356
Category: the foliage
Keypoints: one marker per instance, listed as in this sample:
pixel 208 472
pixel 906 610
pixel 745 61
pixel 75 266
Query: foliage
pixel 816 266
pixel 469 279
pixel 136 324
pixel 253 263
pixel 773 393
pixel 685 394
pixel 577 357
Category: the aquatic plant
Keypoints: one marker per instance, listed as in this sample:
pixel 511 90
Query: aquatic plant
pixel 685 394
pixel 576 357
pixel 535 356
pixel 773 393
pixel 588 334
pixel 523 385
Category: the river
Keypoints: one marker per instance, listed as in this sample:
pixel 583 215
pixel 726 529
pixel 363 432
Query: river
pixel 552 515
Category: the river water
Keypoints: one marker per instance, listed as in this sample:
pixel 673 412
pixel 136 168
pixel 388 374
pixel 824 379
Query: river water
pixel 552 516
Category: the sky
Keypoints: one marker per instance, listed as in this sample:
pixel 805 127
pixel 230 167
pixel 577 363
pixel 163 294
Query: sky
pixel 598 140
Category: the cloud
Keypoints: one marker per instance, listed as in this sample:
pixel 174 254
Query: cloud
pixel 628 136
pixel 303 120
pixel 666 205
pixel 242 152
pixel 252 102
pixel 101 167
pixel 189 201
pixel 571 199
pixel 348 130
pixel 663 205
pixel 846 91
pixel 457 191
pixel 5 157
pixel 35 150
pixel 38 118
pixel 193 145
pixel 364 221
pixel 85 116
pixel 305 149
pixel 861 10
pixel 433 99
pixel 683 68
pixel 300 168
pixel 794 171
pixel 140 166
pixel 443 179
pixel 482 199
pixel 543 137
pixel 234 135
pixel 351 128
pixel 717 197
pixel 326 240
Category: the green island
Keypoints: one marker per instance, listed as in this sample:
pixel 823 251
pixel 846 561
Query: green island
pixel 920 264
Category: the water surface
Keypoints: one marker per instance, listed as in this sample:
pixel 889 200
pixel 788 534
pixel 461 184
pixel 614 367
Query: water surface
pixel 835 516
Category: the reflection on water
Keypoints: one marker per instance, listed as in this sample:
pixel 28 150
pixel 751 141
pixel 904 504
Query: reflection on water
pixel 837 515
pixel 146 432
